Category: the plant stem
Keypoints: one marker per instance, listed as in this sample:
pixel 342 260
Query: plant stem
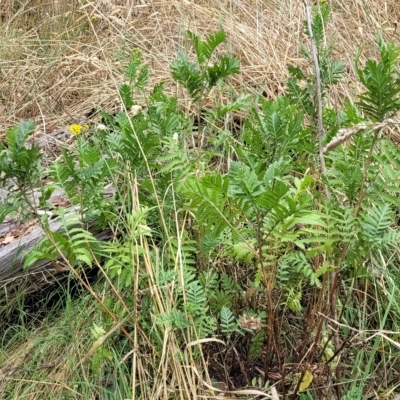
pixel 320 122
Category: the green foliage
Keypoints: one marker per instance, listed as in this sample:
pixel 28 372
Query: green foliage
pixel 244 185
pixel 205 49
pixel 301 265
pixel 228 322
pixel 198 77
pixel 137 72
pixel 20 167
pixel 382 82
pixel 210 202
pixel 320 18
pixel 275 133
pixel 193 310
pixel 187 74
pixel 126 95
pixel 331 71
pixel 17 160
pixel 376 222
pixel 74 243
pixel 226 67
pixel 256 345
pixel 196 298
pixel 355 393
pixel 123 257
pixel 293 298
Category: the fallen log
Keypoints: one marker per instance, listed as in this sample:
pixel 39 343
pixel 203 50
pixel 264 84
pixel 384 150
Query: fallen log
pixel 19 238
pixel 14 278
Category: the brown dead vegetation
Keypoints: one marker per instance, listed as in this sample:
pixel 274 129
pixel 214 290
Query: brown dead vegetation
pixel 60 59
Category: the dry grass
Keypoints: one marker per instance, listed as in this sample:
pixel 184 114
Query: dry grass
pixel 59 59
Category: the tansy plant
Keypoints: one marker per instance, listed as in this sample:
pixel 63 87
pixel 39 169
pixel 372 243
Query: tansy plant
pixel 77 129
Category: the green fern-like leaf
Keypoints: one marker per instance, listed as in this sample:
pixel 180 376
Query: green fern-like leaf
pixel 242 251
pixel 209 280
pixel 298 95
pixel 296 73
pixel 205 49
pixel 189 274
pixel 301 265
pixel 241 103
pixel 227 66
pixel 142 77
pixel 257 343
pixel 382 81
pixel 43 250
pixel 334 72
pixel 73 243
pixel 137 72
pixel 174 319
pixel 196 298
pixel 18 161
pixel 281 209
pixel 80 240
pixel 188 76
pixel 126 95
pixel 176 166
pixel 244 185
pixel 276 130
pixel 219 299
pixel 17 136
pixel 390 240
pixel 62 176
pixel 355 393
pixel 230 286
pixel 275 171
pixel 271 199
pixel 376 223
pixel 283 274
pixel 229 324
pixel 293 298
pixel 320 18
pixel 205 326
pixel 210 203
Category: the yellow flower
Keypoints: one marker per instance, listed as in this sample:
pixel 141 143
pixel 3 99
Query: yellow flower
pixel 76 129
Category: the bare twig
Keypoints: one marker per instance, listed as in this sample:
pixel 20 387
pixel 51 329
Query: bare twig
pixel 320 124
pixel 346 133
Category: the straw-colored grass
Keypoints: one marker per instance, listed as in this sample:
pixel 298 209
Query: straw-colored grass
pixel 60 59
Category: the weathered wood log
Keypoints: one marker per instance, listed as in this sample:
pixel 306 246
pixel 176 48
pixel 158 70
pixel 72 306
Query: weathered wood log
pixel 14 279
pixel 12 253
pixel 17 238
